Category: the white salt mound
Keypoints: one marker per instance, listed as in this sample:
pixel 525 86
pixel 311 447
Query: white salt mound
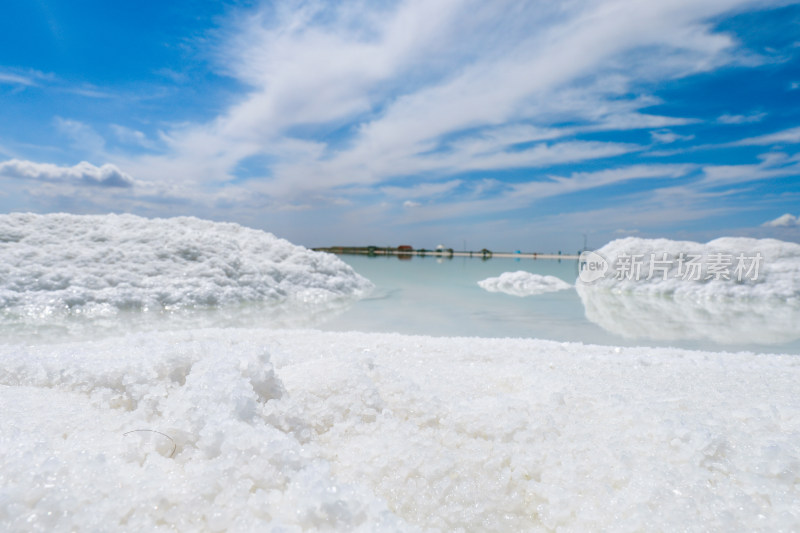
pixel 765 310
pixel 264 430
pixel 778 273
pixel 523 283
pixel 59 263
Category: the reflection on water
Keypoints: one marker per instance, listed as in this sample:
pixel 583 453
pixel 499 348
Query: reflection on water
pixel 59 326
pixel 648 316
pixel 431 296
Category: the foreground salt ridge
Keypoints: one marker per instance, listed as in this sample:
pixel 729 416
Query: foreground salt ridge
pixel 762 311
pixel 309 430
pixel 101 265
pixel 84 415
pixel 522 283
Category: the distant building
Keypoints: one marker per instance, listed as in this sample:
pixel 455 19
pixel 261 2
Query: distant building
pixel 405 248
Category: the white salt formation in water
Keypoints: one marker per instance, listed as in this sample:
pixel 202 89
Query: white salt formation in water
pixel 777 276
pixel 758 305
pixel 67 264
pixel 523 283
pixel 308 430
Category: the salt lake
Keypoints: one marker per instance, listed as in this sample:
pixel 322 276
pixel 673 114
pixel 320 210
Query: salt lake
pixel 440 296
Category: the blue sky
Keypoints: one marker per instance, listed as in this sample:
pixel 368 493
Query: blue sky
pixel 507 125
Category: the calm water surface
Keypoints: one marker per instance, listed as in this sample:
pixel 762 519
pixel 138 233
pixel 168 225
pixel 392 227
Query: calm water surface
pixel 441 297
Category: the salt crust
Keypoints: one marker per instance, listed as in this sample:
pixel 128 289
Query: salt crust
pixel 60 264
pixel 305 430
pixel 523 283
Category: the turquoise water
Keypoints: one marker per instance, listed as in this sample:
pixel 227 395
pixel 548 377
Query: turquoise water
pixel 441 297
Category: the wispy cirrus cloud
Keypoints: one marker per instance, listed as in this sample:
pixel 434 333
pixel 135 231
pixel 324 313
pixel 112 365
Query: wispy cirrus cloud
pixel 741 119
pixel 771 165
pixel 500 197
pixel 408 99
pixel 423 190
pixel 667 137
pixel 31 78
pixel 24 77
pixel 16 79
pixel 788 136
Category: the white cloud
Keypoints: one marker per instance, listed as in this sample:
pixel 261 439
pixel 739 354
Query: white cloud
pixel 667 137
pixel 503 197
pixel 354 169
pixel 580 181
pixel 789 136
pixel 132 137
pixel 540 155
pixel 16 79
pixel 90 92
pixel 81 174
pixel 453 95
pixel 24 78
pixel 650 211
pixel 784 221
pixel 423 190
pixel 741 119
pixel 82 136
pixel 772 165
pixel 35 78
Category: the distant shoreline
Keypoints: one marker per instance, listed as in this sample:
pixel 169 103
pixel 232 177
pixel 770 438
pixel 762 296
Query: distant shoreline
pixel 447 252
